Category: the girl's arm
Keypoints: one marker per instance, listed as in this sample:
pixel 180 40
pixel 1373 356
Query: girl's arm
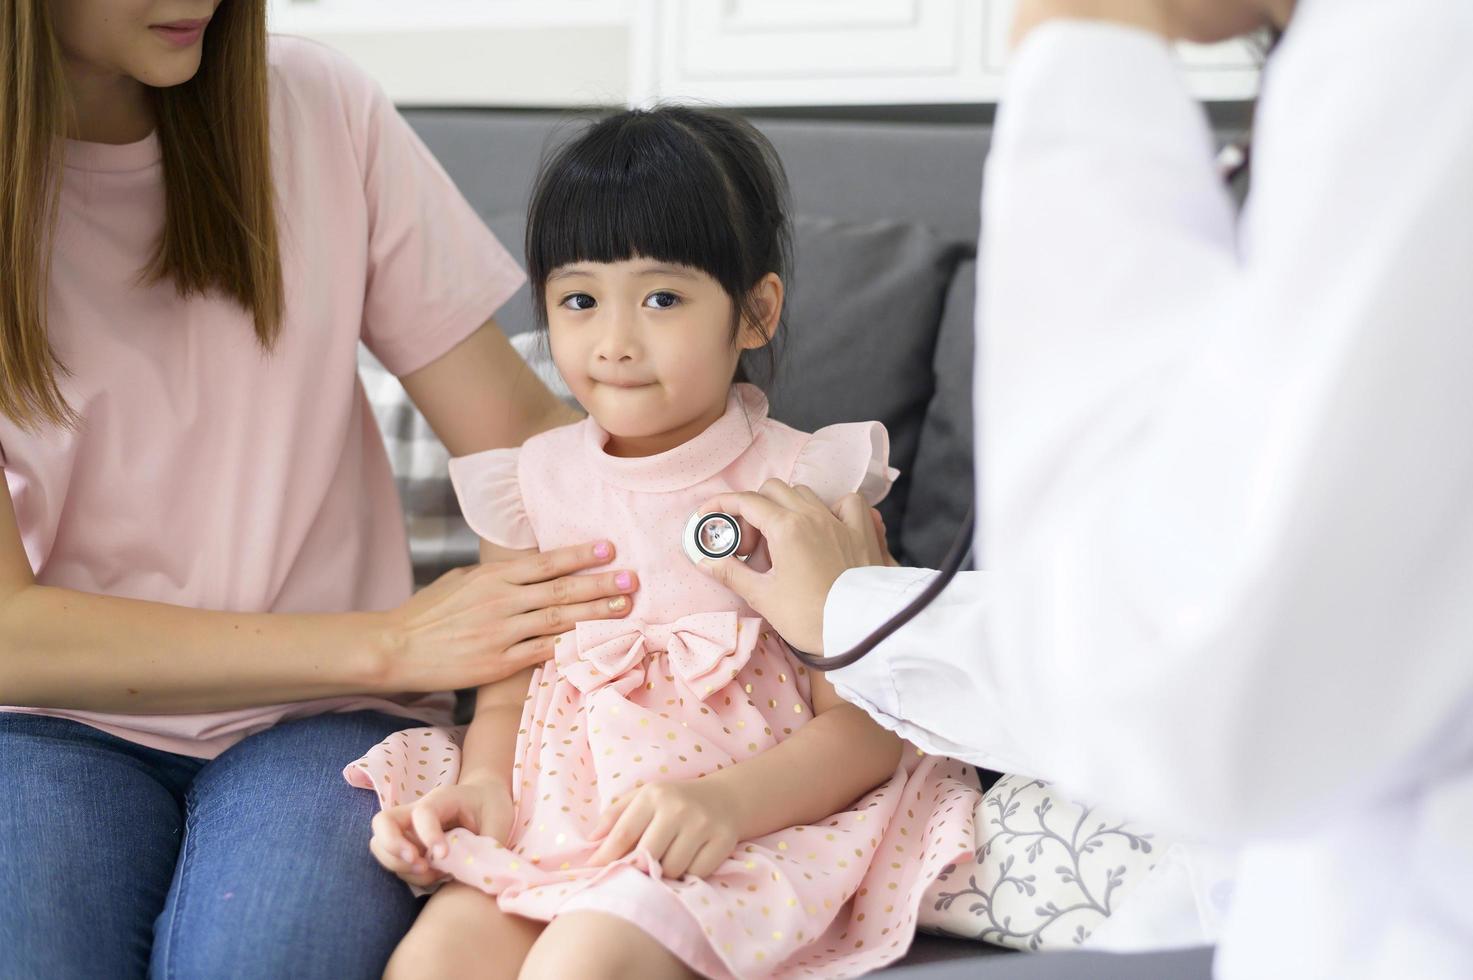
pixel 491 739
pixel 690 826
pixel 408 836
pixel 490 742
pixel 822 768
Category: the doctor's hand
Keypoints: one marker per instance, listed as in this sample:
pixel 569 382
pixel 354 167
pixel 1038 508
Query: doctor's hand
pixel 810 547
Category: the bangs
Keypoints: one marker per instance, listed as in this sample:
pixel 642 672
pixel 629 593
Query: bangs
pixel 638 186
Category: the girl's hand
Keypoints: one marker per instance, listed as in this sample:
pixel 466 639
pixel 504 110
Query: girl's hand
pixel 690 827
pixel 405 837
pixel 810 547
pixel 481 624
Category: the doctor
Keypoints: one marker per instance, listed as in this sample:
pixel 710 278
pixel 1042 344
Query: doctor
pixel 1227 486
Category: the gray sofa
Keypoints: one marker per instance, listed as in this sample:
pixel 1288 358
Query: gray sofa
pixel 879 326
pixel 879 321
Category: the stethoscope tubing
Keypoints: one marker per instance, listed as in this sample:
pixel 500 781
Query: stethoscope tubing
pixel 956 556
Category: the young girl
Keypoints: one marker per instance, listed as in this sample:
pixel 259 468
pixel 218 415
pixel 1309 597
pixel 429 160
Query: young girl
pixel 674 792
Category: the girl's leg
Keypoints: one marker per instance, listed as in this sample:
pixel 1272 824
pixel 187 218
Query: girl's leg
pixel 594 945
pixel 275 879
pixel 89 834
pixel 462 933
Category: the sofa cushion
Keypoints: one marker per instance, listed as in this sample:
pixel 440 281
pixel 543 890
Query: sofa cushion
pixel 938 502
pixel 1047 872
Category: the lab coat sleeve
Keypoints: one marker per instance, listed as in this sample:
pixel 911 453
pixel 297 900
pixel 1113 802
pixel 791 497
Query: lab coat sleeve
pixel 1227 490
pixel 919 683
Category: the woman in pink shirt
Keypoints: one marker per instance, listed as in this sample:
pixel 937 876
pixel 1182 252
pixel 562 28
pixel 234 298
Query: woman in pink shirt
pixel 205 594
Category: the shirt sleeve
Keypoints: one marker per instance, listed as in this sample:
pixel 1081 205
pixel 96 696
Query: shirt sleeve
pixel 490 495
pixel 435 271
pixel 850 457
pixel 920 683
pixel 1225 496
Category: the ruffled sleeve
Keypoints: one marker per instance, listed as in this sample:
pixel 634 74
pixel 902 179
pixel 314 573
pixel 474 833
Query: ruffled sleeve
pixel 847 458
pixel 490 496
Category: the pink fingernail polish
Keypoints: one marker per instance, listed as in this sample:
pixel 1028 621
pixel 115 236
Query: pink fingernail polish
pixel 623 581
pixel 602 549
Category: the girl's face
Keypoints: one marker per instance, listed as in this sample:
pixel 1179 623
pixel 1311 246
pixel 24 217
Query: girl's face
pixel 647 347
pixel 156 42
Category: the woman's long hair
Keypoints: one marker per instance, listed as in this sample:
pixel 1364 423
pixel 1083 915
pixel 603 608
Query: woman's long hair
pixel 219 230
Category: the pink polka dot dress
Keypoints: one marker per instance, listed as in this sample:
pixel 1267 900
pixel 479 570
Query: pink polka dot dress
pixel 692 681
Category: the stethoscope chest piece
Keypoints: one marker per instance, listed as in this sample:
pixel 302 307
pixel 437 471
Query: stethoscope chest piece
pixel 713 536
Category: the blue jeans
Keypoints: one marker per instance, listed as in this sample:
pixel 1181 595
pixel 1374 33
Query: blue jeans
pixel 122 861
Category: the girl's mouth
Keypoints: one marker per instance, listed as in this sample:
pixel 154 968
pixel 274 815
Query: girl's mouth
pixel 181 33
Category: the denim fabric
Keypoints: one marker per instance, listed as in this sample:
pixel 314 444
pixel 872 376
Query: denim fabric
pixel 122 861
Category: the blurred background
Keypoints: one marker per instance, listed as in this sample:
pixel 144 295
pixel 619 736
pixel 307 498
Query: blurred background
pixel 747 53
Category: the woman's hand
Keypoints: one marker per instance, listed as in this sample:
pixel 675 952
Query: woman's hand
pixel 690 827
pixel 480 624
pixel 406 837
pixel 810 547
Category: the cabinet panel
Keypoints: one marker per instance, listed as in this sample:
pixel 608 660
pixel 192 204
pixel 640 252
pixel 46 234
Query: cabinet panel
pixel 733 52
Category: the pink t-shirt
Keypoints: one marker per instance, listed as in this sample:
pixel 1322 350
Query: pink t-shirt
pixel 206 473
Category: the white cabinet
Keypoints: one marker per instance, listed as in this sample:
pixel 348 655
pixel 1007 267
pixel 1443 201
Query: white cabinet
pixel 539 53
pixel 733 52
pixel 766 52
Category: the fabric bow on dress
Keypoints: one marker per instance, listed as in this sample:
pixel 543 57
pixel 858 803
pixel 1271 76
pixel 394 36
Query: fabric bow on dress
pixel 705 650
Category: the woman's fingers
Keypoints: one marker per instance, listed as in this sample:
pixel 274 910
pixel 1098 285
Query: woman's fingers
pixel 577 589
pixel 552 620
pixel 547 565
pixel 529 653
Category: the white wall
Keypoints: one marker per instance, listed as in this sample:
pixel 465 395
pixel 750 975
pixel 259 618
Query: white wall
pixel 734 52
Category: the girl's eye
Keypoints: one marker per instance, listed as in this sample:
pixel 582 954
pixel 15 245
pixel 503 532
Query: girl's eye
pixel 662 300
pixel 578 301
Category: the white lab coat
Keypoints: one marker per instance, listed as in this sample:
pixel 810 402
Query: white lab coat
pixel 1226 480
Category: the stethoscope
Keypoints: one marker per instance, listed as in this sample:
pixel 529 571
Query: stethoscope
pixel 718 535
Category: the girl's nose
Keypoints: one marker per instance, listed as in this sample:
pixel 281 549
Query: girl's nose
pixel 618 341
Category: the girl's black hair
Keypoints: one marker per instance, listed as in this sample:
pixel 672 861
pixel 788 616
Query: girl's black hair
pixel 694 187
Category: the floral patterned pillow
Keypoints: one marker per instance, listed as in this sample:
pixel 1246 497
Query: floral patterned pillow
pixel 1046 874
